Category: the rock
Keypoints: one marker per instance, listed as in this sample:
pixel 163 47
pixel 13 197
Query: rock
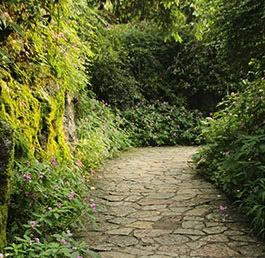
pixel 6 164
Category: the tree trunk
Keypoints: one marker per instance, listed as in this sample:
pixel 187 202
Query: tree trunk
pixel 6 163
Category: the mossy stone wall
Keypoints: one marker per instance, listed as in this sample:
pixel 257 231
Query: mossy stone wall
pixel 6 164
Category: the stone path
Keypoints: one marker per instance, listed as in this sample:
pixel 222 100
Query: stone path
pixel 152 204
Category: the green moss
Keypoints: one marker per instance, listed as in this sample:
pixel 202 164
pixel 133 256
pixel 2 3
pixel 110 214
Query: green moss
pixel 6 164
pixel 37 119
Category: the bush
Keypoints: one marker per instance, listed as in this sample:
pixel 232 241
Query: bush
pixel 233 156
pixel 47 202
pixel 99 135
pixel 134 63
pixel 160 124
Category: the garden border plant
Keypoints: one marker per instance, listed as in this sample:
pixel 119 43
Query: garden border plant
pixel 234 151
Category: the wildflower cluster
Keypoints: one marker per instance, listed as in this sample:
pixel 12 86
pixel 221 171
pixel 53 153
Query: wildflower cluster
pixel 47 201
pixel 160 124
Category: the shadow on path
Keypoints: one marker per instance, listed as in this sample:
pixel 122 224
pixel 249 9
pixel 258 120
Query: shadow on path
pixel 153 205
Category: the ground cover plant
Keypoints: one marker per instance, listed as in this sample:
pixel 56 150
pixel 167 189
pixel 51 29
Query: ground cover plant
pixel 47 201
pixel 234 151
pixel 161 124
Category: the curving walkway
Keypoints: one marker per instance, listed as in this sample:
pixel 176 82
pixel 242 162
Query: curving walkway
pixel 152 204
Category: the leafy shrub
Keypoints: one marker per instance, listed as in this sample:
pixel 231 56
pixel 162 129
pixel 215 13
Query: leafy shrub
pixel 233 156
pixel 202 76
pixel 47 202
pixel 99 135
pixel 130 64
pixel 160 124
pixel 134 63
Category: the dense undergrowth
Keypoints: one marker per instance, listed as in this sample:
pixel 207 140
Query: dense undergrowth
pixel 161 124
pixel 234 150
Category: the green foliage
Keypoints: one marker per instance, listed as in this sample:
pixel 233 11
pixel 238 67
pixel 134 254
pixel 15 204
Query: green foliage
pixel 47 202
pixel 132 62
pixel 233 156
pixel 99 136
pixel 238 30
pixel 200 76
pixel 36 72
pixel 7 162
pixel 172 17
pixel 160 124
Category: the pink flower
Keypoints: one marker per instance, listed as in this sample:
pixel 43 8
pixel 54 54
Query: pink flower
pixel 27 176
pixel 41 174
pixel 69 233
pixel 53 162
pixel 59 205
pixel 49 208
pixel 56 187
pixel 227 153
pixel 32 223
pixel 222 208
pixel 64 241
pixel 37 240
pixel 26 194
pixel 71 195
pixel 93 206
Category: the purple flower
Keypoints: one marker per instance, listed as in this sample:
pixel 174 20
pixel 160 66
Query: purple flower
pixel 27 176
pixel 53 162
pixel 93 206
pixel 41 174
pixel 222 208
pixel 26 194
pixel 32 223
pixel 64 241
pixel 227 153
pixel 69 233
pixel 71 195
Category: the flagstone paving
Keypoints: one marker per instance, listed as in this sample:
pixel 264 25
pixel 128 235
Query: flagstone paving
pixel 152 204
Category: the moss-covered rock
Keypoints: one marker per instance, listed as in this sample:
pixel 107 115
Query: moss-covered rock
pixel 6 163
